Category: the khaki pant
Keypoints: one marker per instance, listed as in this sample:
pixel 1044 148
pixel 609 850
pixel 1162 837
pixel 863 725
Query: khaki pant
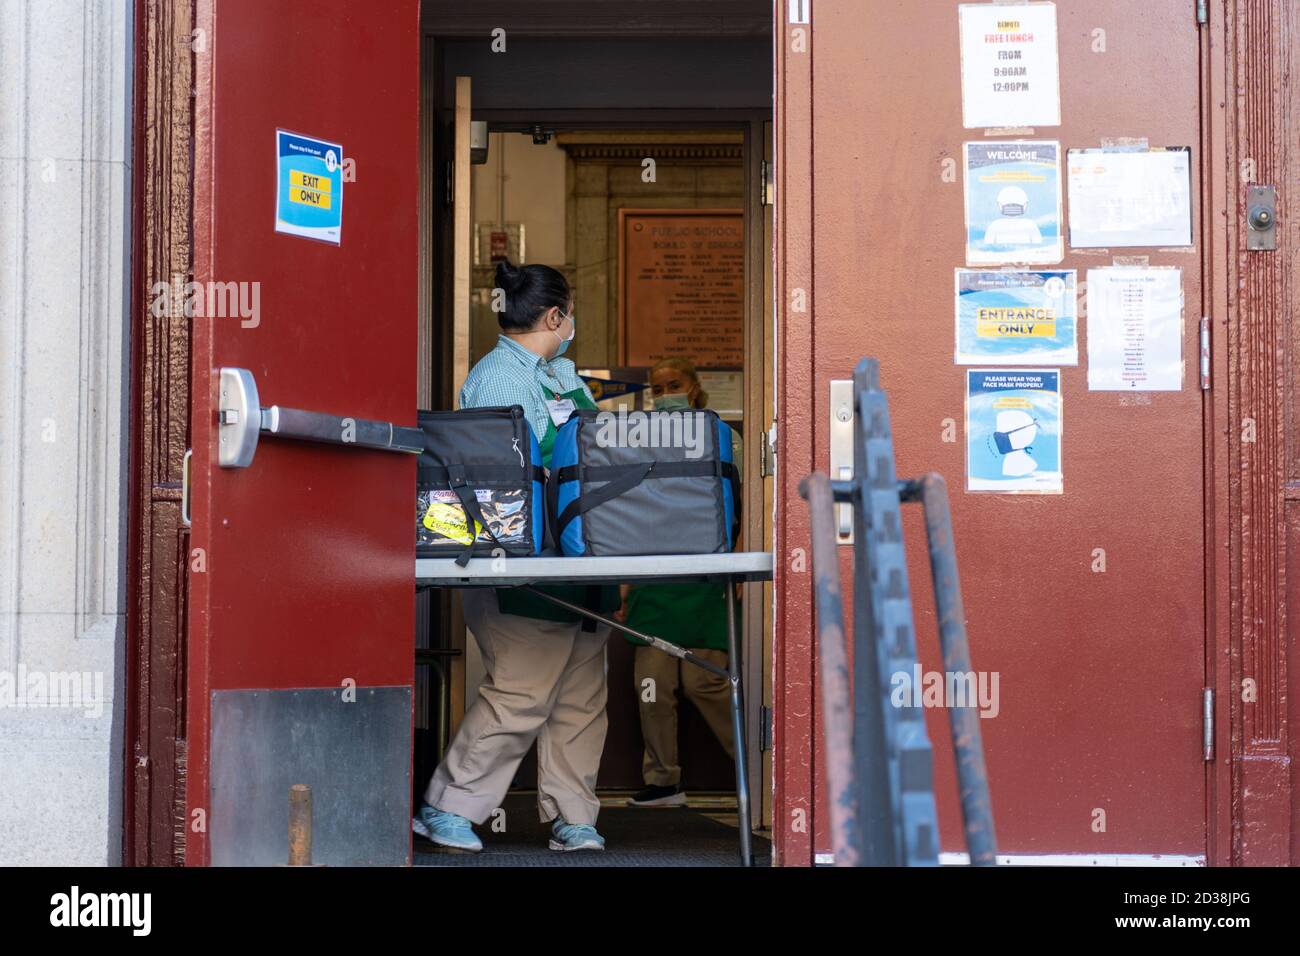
pixel 545 681
pixel 710 694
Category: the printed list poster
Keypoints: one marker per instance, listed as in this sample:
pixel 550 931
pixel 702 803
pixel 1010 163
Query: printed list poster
pixel 1009 65
pixel 1135 330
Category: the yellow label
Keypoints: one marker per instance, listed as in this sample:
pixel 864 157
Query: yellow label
pixel 448 520
pixel 308 197
pixel 1006 401
pixel 1015 323
pixel 322 184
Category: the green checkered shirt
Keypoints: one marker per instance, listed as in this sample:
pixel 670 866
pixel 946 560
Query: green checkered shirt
pixel 512 375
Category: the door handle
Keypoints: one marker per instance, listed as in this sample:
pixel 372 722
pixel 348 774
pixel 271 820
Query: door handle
pixel 241 421
pixel 841 448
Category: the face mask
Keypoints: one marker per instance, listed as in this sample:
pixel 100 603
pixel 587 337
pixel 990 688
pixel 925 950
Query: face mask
pixel 564 343
pixel 1006 444
pixel 672 400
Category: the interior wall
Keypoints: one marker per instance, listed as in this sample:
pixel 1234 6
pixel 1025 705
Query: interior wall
pixel 567 195
pixel 524 182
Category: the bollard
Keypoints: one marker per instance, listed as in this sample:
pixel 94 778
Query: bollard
pixel 300 825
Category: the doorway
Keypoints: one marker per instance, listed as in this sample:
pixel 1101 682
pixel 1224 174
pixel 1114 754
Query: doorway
pixel 568 170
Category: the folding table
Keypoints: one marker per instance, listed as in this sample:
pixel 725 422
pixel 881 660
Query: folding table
pixel 729 569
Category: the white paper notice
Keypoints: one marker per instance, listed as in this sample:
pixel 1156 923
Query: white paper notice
pixel 1135 330
pixel 1141 198
pixel 1009 67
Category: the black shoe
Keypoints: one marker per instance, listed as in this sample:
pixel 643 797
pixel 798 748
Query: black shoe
pixel 653 796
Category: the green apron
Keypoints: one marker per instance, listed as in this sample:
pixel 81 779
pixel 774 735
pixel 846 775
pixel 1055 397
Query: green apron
pixel 688 615
pixel 601 598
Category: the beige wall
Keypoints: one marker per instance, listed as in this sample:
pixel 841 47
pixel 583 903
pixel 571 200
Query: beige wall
pixel 523 182
pixel 567 195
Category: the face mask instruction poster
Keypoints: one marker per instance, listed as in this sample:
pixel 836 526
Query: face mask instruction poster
pixel 1016 318
pixel 1013 203
pixel 309 187
pixel 1013 431
pixel 1135 329
pixel 1010 72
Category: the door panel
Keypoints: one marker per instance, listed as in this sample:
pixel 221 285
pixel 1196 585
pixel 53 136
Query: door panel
pixel 1100 673
pixel 306 579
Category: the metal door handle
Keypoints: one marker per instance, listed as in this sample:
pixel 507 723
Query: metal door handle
pixel 241 420
pixel 841 448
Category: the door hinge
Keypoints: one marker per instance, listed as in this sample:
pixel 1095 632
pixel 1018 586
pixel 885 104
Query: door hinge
pixel 764 728
pixel 1207 721
pixel 1202 11
pixel 768 187
pixel 450 195
pixel 1205 353
pixel 186 468
pixel 767 453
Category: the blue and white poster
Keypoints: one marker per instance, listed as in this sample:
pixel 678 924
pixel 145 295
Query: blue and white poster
pixel 1016 318
pixel 309 187
pixel 1013 431
pixel 1013 203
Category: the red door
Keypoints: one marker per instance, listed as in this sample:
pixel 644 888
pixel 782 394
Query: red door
pixel 301 601
pixel 1089 606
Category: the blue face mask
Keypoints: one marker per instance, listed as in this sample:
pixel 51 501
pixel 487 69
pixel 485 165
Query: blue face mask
pixel 564 343
pixel 1003 439
pixel 672 400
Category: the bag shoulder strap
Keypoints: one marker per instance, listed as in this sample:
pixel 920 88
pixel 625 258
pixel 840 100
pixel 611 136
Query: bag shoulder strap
pixel 473 513
pixel 630 477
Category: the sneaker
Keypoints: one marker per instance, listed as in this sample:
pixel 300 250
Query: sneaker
pixel 575 836
pixel 446 829
pixel 653 796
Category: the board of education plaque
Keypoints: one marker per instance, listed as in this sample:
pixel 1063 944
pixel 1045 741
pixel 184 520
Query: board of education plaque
pixel 682 286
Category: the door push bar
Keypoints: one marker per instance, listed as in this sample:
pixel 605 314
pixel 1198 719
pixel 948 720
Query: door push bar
pixel 241 420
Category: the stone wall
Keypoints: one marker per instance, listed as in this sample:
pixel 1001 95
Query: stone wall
pixel 65 177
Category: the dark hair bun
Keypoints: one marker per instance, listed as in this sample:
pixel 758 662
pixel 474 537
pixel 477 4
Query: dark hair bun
pixel 529 291
pixel 509 276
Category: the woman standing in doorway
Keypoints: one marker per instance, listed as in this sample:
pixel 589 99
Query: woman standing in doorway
pixel 545 667
pixel 688 615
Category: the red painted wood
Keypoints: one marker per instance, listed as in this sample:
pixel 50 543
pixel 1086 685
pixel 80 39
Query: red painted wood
pixel 1263 304
pixel 309 551
pixel 1100 674
pixel 795 712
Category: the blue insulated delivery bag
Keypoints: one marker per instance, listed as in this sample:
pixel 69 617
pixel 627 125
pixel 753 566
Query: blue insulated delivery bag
pixel 626 483
pixel 480 468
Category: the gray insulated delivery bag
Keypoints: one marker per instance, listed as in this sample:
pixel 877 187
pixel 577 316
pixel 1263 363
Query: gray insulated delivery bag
pixel 479 465
pixel 659 482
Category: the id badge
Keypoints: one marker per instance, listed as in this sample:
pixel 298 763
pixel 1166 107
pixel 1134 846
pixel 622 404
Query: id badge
pixel 560 409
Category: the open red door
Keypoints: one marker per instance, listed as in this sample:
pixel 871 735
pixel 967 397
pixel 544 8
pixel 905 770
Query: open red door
pixel 301 596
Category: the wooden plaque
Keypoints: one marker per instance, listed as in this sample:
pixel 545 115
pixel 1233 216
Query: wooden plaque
pixel 681 289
